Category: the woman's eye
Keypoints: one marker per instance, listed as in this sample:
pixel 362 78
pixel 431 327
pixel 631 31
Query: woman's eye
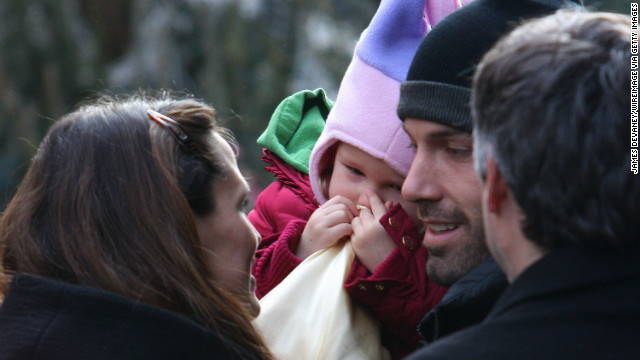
pixel 355 171
pixel 244 207
pixel 396 187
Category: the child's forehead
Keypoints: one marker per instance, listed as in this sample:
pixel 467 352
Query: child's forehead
pixel 360 158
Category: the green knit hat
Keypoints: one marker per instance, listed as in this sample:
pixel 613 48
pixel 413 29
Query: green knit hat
pixel 295 126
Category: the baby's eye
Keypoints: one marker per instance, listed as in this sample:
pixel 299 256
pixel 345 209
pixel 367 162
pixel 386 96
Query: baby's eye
pixel 355 171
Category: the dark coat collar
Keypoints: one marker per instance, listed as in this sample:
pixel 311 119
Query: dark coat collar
pixel 466 303
pixel 44 318
pixel 567 268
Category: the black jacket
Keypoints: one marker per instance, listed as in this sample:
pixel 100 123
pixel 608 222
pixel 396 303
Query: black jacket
pixel 571 304
pixel 466 303
pixel 45 319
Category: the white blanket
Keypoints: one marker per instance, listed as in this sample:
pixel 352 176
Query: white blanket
pixel 310 315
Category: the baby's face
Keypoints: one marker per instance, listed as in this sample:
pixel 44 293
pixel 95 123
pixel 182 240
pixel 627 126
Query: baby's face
pixel 355 171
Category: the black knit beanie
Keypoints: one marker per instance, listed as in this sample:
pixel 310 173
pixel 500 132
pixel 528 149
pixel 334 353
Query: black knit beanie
pixel 438 84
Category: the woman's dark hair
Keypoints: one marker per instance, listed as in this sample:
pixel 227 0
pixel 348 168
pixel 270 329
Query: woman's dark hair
pixel 110 201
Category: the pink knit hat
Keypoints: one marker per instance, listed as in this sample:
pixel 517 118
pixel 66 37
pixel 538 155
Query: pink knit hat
pixel 364 114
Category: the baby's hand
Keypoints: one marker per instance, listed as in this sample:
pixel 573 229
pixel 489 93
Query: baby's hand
pixel 370 241
pixel 327 225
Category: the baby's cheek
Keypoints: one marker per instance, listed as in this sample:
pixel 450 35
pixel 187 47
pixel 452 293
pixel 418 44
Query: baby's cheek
pixel 395 198
pixel 411 209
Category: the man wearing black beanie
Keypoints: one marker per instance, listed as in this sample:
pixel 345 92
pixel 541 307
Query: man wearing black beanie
pixel 434 105
pixel 551 113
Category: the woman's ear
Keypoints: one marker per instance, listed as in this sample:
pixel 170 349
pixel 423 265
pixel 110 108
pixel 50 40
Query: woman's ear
pixel 495 186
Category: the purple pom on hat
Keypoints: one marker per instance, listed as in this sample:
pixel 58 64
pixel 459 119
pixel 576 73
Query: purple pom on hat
pixel 364 114
pixel 393 36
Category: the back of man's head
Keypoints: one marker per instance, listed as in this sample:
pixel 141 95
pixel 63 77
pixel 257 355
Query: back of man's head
pixel 551 105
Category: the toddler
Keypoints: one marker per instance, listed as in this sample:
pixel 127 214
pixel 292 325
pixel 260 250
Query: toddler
pixel 355 172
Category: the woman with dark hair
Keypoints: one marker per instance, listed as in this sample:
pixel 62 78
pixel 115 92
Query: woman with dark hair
pixel 127 240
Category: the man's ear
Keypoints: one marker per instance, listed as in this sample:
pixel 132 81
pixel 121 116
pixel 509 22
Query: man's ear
pixel 497 189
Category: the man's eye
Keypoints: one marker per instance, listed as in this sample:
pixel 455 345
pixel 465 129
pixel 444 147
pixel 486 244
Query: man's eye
pixel 459 151
pixel 355 171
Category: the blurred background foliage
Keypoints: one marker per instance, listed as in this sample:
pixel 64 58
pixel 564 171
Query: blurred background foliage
pixel 241 56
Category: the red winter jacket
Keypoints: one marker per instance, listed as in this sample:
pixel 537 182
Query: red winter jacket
pixel 280 213
pixel 398 293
